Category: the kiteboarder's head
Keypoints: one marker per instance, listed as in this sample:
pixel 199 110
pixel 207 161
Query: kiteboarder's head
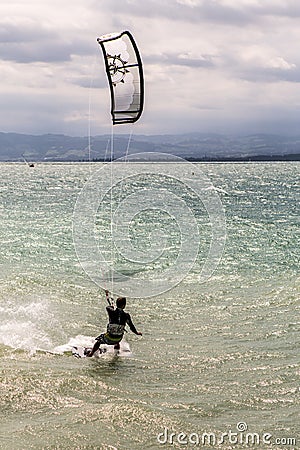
pixel 121 302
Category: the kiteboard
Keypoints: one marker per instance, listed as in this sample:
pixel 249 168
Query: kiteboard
pixel 82 352
pixel 79 351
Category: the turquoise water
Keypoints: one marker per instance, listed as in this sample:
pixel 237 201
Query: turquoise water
pixel 214 356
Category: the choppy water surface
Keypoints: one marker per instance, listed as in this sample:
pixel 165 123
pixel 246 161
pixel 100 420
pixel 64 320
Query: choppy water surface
pixel 214 356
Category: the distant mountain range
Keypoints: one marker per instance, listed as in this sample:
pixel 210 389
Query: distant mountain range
pixel 192 146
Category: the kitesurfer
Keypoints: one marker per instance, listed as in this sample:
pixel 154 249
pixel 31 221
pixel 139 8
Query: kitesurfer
pixel 118 318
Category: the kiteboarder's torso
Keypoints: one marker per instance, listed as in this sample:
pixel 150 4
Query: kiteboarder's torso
pixel 118 318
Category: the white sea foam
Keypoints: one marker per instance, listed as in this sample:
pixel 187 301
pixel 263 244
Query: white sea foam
pixel 24 326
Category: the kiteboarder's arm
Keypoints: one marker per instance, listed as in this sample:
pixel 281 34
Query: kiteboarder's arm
pixel 131 326
pixel 109 299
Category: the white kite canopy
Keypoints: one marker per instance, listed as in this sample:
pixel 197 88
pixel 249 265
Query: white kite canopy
pixel 125 76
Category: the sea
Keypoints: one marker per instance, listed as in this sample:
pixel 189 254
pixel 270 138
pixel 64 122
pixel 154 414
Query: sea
pixel 207 255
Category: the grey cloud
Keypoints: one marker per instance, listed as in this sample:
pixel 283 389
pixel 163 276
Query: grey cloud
pixel 32 42
pixel 258 73
pixel 180 60
pixel 54 50
pixel 86 82
pixel 290 8
pixel 28 31
pixel 215 12
pixel 261 74
pixel 209 10
pixel 35 52
pixel 242 63
pixel 36 113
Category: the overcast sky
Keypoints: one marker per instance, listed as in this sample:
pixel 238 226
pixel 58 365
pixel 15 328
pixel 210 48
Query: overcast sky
pixel 225 66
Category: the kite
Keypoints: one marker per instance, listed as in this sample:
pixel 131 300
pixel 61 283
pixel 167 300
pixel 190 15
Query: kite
pixel 125 76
